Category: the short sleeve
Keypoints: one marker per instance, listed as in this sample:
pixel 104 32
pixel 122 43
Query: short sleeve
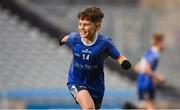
pixel 150 59
pixel 112 49
pixel 71 38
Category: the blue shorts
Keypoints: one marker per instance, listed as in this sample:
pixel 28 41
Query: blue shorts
pixel 146 94
pixel 146 87
pixel 74 89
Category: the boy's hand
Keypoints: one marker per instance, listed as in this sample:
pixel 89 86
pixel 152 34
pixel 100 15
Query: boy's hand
pixel 158 79
pixel 125 64
pixel 62 39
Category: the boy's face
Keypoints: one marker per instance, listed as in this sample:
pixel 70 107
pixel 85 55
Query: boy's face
pixel 87 29
pixel 161 46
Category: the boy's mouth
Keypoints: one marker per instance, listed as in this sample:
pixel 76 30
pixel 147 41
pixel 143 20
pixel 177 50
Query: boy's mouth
pixel 83 33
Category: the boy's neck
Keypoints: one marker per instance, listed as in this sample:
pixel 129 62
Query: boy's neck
pixel 89 39
pixel 156 48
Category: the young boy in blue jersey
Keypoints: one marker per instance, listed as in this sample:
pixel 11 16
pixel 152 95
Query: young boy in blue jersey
pixel 89 48
pixel 147 79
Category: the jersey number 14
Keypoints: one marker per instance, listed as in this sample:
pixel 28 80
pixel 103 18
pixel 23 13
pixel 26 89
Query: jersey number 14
pixel 85 56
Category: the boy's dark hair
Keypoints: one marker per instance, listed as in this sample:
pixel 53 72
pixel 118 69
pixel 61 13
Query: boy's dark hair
pixel 156 38
pixel 93 14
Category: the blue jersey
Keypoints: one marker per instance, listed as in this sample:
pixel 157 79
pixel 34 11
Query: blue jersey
pixel 151 57
pixel 88 62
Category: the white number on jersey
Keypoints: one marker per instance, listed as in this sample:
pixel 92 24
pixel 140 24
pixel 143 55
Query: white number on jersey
pixel 85 57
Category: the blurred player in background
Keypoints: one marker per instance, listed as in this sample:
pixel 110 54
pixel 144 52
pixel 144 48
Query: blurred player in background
pixel 86 75
pixel 147 78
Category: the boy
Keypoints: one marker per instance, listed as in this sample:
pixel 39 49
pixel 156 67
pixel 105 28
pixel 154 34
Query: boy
pixel 147 79
pixel 86 75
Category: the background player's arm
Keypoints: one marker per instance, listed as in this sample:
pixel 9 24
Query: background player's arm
pixel 146 68
pixel 143 67
pixel 62 39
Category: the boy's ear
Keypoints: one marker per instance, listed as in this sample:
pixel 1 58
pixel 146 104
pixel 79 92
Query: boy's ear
pixel 98 26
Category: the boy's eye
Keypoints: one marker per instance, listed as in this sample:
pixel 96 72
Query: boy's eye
pixel 86 24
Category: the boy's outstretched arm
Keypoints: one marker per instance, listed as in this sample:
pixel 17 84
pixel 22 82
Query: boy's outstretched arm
pixel 62 39
pixel 125 64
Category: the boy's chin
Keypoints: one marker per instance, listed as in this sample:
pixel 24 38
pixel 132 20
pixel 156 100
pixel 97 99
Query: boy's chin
pixel 83 36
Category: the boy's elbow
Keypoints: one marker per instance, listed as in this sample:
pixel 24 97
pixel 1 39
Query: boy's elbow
pixel 136 68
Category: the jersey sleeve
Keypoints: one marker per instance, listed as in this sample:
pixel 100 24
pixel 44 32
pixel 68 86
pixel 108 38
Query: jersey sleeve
pixel 149 58
pixel 71 38
pixel 112 49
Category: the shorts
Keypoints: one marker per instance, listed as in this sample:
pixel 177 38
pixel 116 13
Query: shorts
pixel 146 94
pixel 74 89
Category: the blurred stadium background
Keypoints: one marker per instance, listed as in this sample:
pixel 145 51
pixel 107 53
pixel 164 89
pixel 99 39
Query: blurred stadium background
pixel 33 68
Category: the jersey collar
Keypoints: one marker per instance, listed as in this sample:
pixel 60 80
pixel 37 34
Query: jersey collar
pixel 96 37
pixel 155 50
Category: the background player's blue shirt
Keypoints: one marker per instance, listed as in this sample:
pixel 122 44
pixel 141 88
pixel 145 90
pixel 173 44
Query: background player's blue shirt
pixel 88 62
pixel 151 57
